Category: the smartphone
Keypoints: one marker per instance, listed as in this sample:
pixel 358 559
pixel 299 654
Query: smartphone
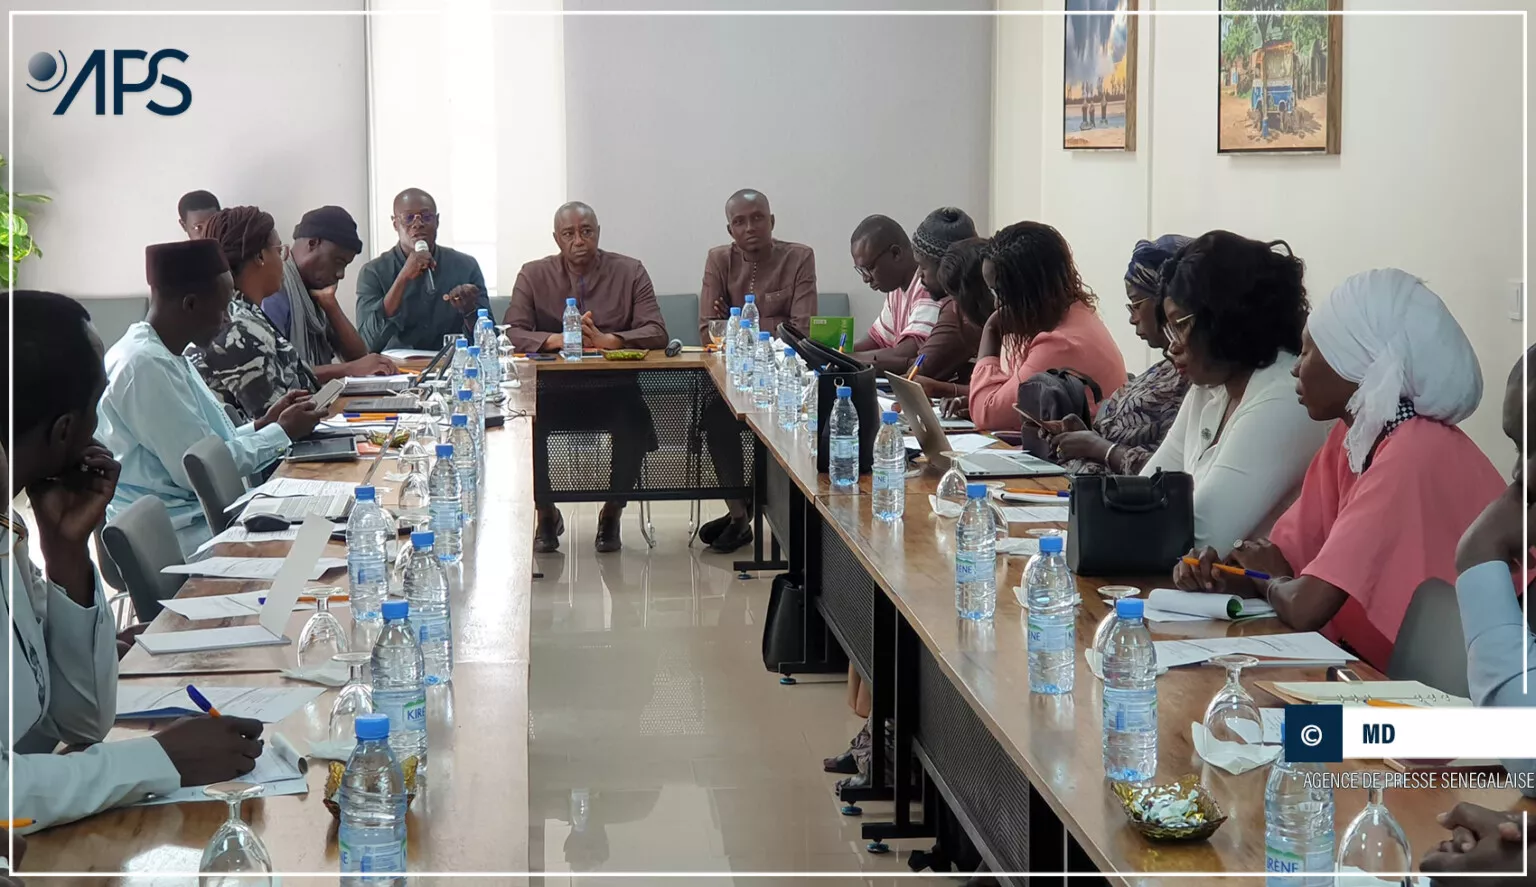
pixel 1030 419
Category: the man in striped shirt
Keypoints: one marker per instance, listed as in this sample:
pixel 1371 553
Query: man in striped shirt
pixel 882 255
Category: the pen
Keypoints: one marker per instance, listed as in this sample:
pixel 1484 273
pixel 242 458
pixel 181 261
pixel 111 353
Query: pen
pixel 1384 703
pixel 379 416
pixel 201 701
pixel 1231 571
pixel 17 823
pixel 915 364
pixel 842 341
pixel 1060 494
pixel 310 599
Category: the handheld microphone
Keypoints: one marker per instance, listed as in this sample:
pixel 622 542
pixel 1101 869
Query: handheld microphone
pixel 674 348
pixel 421 247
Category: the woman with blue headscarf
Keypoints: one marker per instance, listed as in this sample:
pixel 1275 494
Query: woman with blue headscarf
pixel 1133 421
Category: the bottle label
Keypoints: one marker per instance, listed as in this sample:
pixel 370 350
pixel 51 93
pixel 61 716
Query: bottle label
pixel 1051 637
pixel 407 709
pixel 844 448
pixel 1281 861
pixel 364 851
pixel 1130 711
pixel 970 566
pixel 430 629
pixel 888 479
pixel 364 572
pixel 445 516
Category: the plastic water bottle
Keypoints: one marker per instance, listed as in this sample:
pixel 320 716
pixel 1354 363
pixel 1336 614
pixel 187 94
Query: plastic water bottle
pixel 889 478
pixel 472 374
pixel 749 314
pixel 399 685
pixel 732 324
pixel 976 557
pixel 765 373
pixel 368 533
pixel 464 464
pixel 490 366
pixel 371 836
pixel 843 441
pixel 746 352
pixel 570 326
pixel 1298 824
pixel 445 497
pixel 790 383
pixel 470 404
pixel 426 589
pixel 1051 592
pixel 460 361
pixel 1130 697
pixel 811 405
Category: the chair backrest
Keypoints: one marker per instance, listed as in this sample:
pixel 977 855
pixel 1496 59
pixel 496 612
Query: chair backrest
pixel 142 542
pixel 499 306
pixel 680 312
pixel 833 305
pixel 104 563
pixel 215 479
pixel 1430 648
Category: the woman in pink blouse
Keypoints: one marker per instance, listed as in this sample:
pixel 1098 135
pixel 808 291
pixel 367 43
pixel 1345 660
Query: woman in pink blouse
pixel 1045 319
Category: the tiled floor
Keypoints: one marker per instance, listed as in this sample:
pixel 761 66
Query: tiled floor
pixel 657 740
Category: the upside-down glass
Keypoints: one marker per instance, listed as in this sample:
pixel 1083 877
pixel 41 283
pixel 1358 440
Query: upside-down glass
pixel 506 356
pixel 1374 842
pixel 356 698
pixel 1232 715
pixel 322 637
pixel 1113 593
pixel 717 331
pixel 234 849
pixel 951 490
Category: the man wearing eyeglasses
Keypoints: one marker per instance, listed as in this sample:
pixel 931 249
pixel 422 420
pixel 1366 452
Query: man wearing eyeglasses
pixel 410 297
pixel 882 255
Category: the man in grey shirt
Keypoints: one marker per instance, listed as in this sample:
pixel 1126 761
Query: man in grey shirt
pixel 410 298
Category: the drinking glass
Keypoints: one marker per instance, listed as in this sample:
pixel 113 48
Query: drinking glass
pixel 1232 715
pixel 999 517
pixel 234 849
pixel 1113 593
pixel 952 485
pixel 1374 842
pixel 322 637
pixel 356 698
pixel 717 331
pixel 506 355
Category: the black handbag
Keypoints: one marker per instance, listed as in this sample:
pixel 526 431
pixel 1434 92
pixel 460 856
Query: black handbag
pixel 795 639
pixel 1121 525
pixel 837 369
pixel 1051 396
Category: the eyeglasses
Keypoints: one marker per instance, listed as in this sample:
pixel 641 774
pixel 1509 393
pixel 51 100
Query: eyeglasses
pixel 1176 330
pixel 868 274
pixel 423 218
pixel 1134 304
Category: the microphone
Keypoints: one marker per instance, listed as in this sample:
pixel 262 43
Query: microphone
pixel 421 247
pixel 674 348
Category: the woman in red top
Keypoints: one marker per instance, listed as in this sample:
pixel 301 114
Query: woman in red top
pixel 1045 319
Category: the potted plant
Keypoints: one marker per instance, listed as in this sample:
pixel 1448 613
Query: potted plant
pixel 16 241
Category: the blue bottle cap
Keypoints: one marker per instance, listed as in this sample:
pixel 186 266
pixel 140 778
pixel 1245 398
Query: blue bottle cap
pixel 746 324
pixel 445 451
pixel 890 417
pixel 396 608
pixel 975 491
pixel 459 420
pixel 472 372
pixel 363 494
pixel 371 727
pixel 570 303
pixel 844 391
pixel 1050 545
pixel 789 352
pixel 735 312
pixel 482 312
pixel 423 539
pixel 466 394
pixel 750 298
pixel 1128 607
pixel 474 351
pixel 461 342
pixel 764 335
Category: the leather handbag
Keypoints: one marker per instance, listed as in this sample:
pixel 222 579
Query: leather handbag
pixel 1050 396
pixel 837 369
pixel 795 639
pixel 1121 525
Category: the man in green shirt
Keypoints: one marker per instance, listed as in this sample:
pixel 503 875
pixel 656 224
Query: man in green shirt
pixel 411 297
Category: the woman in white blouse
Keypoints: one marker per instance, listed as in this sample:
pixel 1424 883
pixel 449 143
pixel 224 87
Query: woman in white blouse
pixel 1234 310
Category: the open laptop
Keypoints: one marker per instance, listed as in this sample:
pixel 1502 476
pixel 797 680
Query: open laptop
pixel 925 426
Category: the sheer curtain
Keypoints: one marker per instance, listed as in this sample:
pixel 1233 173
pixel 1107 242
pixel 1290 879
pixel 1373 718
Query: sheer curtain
pixel 468 103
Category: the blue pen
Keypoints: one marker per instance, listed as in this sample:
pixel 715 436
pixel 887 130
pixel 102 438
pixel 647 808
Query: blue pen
pixel 842 341
pixel 202 702
pixel 915 364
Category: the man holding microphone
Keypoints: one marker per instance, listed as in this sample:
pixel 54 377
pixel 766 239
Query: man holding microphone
pixel 418 291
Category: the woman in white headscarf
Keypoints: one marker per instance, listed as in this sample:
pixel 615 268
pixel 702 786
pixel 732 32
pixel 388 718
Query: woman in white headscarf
pixel 1391 491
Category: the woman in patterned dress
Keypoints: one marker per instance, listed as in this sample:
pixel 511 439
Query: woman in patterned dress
pixel 1133 421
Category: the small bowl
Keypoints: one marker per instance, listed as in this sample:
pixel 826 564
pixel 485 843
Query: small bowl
pixel 1136 799
pixel 332 798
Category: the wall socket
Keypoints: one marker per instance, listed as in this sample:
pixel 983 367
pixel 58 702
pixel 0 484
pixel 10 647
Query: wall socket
pixel 1517 307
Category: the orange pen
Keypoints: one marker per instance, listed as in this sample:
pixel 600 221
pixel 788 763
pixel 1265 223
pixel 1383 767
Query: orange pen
pixel 17 823
pixel 1383 703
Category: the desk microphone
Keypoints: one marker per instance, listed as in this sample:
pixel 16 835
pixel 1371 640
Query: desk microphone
pixel 674 348
pixel 421 247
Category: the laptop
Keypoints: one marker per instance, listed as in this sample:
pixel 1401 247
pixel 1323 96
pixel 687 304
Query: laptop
pixel 929 431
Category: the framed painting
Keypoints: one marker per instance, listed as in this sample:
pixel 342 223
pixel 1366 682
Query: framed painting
pixel 1099 76
pixel 1278 86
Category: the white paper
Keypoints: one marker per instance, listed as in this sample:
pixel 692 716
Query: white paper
pixel 195 640
pixel 944 508
pixel 255 567
pixel 329 673
pixel 957 424
pixel 1233 757
pixel 386 384
pixel 279 770
pixel 1307 645
pixel 237 533
pixel 1035 514
pixel 246 603
pixel 288 584
pixel 1206 605
pixel 287 487
pixel 1274 721
pixel 408 354
pixel 969 443
pixel 266 704
pixel 1357 692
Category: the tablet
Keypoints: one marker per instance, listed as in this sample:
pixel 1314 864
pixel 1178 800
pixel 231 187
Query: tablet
pixel 328 449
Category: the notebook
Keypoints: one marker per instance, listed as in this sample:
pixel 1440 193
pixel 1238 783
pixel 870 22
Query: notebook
pixel 833 332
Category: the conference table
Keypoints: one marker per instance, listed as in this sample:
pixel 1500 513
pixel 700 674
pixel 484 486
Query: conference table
pixel 1021 773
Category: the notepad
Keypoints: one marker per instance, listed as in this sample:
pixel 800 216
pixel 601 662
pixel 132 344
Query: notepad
pixel 238 533
pixel 355 385
pixel 253 567
pixel 408 354
pixel 287 487
pixel 1173 605
pixel 831 331
pixel 1307 646
pixel 284 593
pixel 280 771
pixel 1357 692
pixel 136 701
pixel 234 606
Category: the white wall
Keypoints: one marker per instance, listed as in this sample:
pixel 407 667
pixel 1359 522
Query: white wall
pixel 834 118
pixel 278 119
pixel 1429 179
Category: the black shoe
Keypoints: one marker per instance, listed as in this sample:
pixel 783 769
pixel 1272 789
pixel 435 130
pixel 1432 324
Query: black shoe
pixel 843 763
pixel 608 521
pixel 547 537
pixel 712 530
pixel 858 780
pixel 735 536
